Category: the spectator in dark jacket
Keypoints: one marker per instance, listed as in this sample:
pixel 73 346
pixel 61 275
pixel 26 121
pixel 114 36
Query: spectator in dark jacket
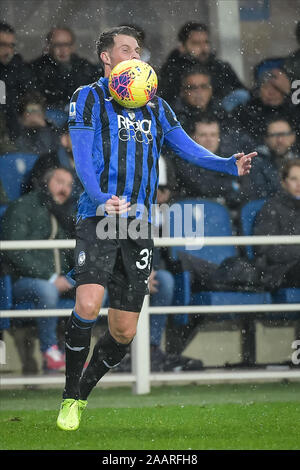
pixel 39 275
pixel 195 49
pixel 36 134
pixel 279 147
pixel 197 97
pixel 15 73
pixel 60 70
pixel 280 264
pixel 268 101
pixel 198 182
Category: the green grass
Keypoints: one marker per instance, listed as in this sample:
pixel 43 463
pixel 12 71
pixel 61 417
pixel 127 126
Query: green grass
pixel 263 416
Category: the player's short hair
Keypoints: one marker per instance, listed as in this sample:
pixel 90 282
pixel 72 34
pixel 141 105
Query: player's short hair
pixel 287 167
pixel 50 34
pixel 6 28
pixel 187 28
pixel 107 38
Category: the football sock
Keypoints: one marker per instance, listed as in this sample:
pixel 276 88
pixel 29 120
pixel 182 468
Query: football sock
pixel 107 354
pixel 77 341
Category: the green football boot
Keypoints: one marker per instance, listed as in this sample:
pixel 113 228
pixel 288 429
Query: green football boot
pixel 68 417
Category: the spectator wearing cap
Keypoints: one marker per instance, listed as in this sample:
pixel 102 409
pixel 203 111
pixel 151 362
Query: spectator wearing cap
pixel 195 49
pixel 60 71
pixel 278 148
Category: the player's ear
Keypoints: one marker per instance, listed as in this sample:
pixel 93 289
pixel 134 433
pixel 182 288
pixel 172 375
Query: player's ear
pixel 104 56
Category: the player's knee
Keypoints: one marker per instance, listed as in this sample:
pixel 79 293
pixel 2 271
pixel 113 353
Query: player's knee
pixel 87 309
pixel 123 334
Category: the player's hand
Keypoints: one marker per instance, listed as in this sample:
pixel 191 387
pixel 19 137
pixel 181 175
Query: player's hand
pixel 115 205
pixel 243 162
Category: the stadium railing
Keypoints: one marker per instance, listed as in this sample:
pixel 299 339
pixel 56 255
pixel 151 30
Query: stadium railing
pixel 141 376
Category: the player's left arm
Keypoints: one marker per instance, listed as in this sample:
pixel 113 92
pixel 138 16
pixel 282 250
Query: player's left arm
pixel 178 140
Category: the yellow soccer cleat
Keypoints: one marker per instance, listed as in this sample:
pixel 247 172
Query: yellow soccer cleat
pixel 68 417
pixel 82 404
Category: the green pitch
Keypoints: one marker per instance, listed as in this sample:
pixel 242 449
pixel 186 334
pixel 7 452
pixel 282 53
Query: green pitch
pixel 262 416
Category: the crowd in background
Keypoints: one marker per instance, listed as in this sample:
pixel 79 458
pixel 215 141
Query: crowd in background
pixel 217 111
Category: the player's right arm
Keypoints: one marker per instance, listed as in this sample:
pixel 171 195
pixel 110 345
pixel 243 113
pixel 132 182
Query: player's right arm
pixel 84 108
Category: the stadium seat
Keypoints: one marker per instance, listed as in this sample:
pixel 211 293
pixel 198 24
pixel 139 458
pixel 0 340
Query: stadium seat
pixel 57 117
pixel 5 299
pixel 216 223
pixel 14 168
pixel 248 214
pixel 284 295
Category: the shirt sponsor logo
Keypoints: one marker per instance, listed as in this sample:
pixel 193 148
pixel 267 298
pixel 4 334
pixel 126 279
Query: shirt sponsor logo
pixel 138 130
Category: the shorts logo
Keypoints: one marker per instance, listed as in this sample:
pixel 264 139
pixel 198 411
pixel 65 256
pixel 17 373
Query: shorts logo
pixel 81 258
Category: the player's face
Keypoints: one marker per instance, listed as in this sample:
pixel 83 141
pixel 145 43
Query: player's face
pixel 280 137
pixel 7 47
pixel 60 185
pixel 292 182
pixel 207 135
pixel 125 48
pixel 198 45
pixel 197 90
pixel 61 47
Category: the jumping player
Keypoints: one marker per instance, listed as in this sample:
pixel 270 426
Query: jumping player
pixel 116 153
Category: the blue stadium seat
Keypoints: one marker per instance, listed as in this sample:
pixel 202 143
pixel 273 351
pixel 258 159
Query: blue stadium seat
pixel 14 169
pixel 248 215
pixel 57 117
pixel 217 222
pixel 5 299
pixel 284 295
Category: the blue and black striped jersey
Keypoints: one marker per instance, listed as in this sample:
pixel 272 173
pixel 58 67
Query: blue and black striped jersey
pixel 127 143
pixel 116 149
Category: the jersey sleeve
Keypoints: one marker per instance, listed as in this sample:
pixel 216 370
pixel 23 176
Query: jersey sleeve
pixel 167 116
pixel 82 110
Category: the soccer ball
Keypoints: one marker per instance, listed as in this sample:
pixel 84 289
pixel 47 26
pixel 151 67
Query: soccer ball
pixel 132 83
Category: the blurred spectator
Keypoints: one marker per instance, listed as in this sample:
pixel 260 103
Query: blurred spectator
pixel 279 146
pixel 3 196
pixel 16 74
pixel 280 264
pixel 38 275
pixel 269 100
pixel 61 157
pixel 60 71
pixel 195 49
pixel 36 134
pixel 6 144
pixel 199 182
pixel 292 63
pixel 197 97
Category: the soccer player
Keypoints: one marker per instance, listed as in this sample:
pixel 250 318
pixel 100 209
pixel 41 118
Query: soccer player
pixel 116 153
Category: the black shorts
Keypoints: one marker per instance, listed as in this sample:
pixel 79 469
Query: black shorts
pixel 123 265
